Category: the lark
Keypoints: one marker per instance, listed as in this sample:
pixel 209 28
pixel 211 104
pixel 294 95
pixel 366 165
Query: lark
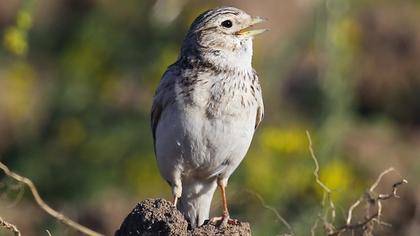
pixel 206 110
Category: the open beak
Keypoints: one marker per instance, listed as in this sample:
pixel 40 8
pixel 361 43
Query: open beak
pixel 249 32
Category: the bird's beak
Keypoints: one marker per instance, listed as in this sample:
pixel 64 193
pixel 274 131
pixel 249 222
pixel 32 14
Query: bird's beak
pixel 248 32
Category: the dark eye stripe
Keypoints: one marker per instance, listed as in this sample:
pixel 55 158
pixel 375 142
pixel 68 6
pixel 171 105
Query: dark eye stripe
pixel 224 13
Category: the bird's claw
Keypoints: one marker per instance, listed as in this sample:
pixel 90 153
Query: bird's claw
pixel 223 221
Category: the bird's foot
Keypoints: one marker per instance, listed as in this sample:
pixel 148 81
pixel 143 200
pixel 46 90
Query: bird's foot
pixel 223 221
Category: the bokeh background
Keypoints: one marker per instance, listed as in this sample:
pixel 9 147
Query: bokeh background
pixel 77 79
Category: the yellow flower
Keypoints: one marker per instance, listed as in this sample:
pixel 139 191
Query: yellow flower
pixel 15 41
pixel 345 34
pixel 289 141
pixel 338 177
pixel 24 20
pixel 17 98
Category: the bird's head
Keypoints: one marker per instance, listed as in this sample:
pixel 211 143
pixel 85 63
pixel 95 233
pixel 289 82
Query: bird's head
pixel 223 36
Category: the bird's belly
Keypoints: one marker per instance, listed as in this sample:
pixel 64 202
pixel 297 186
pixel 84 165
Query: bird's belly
pixel 205 147
pixel 216 143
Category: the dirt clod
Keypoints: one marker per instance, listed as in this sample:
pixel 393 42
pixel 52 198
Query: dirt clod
pixel 160 217
pixel 242 228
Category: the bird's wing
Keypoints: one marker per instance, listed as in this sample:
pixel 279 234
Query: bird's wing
pixel 165 95
pixel 260 116
pixel 260 109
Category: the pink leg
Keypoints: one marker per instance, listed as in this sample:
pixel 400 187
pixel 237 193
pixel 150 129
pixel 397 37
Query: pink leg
pixel 225 218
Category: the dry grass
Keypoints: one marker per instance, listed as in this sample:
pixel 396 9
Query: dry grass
pixel 60 217
pixel 370 200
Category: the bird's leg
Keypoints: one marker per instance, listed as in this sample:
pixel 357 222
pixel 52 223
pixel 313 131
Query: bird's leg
pixel 175 200
pixel 225 218
pixel 176 192
pixel 224 201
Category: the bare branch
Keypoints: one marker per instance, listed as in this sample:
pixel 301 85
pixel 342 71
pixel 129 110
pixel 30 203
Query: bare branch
pixel 394 191
pixel 368 223
pixel 327 191
pixel 350 213
pixel 60 217
pixel 274 210
pixel 9 226
pixel 371 200
pixel 314 227
pixel 378 180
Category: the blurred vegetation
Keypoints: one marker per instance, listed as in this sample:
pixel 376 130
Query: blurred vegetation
pixel 77 80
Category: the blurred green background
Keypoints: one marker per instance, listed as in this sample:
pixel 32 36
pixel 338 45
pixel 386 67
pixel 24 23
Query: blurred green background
pixel 77 79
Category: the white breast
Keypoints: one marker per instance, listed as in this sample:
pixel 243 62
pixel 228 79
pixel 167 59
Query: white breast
pixel 204 145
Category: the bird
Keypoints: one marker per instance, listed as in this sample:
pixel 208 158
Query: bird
pixel 206 109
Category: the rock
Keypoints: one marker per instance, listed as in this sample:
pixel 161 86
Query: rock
pixel 241 229
pixel 154 217
pixel 160 217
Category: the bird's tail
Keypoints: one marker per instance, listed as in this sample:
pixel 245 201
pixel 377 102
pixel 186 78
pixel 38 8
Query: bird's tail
pixel 195 201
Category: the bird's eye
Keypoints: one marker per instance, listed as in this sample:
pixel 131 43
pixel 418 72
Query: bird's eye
pixel 227 23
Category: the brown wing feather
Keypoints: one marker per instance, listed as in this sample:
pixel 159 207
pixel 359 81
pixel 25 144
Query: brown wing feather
pixel 154 117
pixel 260 116
pixel 163 97
pixel 258 96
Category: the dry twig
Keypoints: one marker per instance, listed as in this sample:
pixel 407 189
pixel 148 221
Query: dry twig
pixel 327 194
pixel 274 210
pixel 9 226
pixel 371 200
pixel 60 217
